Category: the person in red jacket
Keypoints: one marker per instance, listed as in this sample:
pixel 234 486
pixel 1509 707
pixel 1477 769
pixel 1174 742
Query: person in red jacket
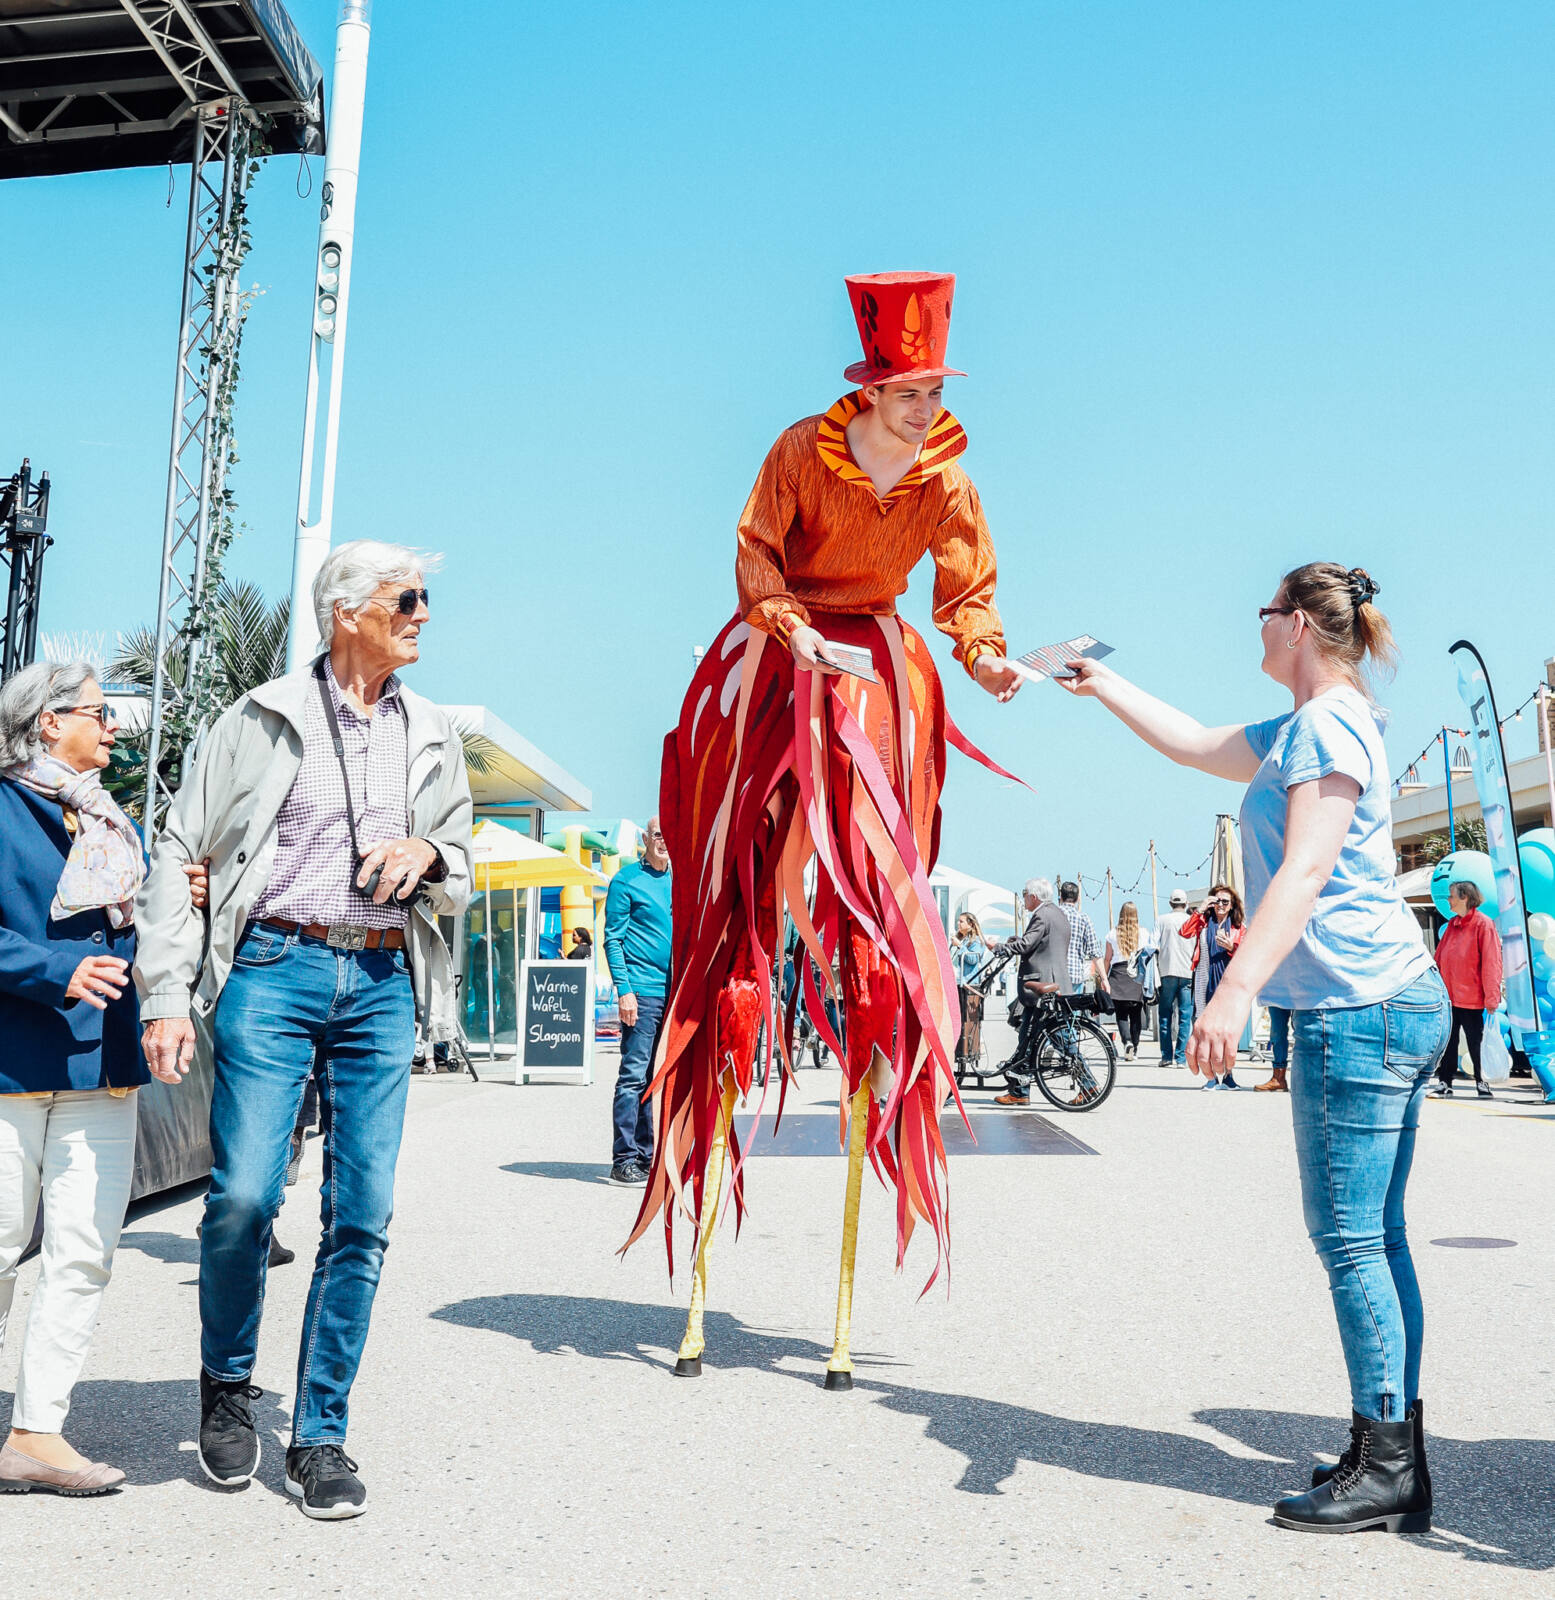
pixel 1469 956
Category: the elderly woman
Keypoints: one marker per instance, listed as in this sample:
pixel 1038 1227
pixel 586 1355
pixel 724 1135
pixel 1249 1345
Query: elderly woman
pixel 70 863
pixel 1468 955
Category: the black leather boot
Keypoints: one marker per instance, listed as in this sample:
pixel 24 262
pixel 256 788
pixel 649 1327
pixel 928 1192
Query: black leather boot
pixel 1321 1475
pixel 1381 1482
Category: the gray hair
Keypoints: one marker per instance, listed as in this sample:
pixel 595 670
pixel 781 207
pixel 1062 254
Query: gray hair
pixel 1040 890
pixel 352 573
pixel 47 686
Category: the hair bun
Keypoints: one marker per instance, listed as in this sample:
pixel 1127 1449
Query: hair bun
pixel 1363 587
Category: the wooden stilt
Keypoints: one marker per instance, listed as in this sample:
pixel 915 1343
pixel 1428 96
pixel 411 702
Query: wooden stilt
pixel 839 1370
pixel 689 1364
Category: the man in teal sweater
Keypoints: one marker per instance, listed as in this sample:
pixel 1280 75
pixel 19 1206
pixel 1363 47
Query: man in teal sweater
pixel 637 949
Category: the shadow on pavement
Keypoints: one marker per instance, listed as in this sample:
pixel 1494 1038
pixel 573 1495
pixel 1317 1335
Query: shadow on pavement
pixel 170 1247
pixel 578 1171
pixel 141 1429
pixel 619 1330
pixel 1497 1493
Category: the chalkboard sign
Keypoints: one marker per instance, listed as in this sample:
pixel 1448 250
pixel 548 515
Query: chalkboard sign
pixel 556 1020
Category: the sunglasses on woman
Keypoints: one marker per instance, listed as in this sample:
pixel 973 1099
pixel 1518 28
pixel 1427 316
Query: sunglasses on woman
pixel 103 715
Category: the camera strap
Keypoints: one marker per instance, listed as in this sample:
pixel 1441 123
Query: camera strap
pixel 340 749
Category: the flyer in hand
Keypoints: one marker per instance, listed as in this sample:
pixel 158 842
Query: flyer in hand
pixel 1048 661
pixel 850 658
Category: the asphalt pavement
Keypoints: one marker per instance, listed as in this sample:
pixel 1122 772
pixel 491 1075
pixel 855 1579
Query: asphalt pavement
pixel 1133 1357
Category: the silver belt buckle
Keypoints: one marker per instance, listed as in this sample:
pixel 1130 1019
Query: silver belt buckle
pixel 344 936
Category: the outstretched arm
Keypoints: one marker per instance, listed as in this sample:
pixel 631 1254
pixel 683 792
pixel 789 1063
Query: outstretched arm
pixel 1224 752
pixel 1318 814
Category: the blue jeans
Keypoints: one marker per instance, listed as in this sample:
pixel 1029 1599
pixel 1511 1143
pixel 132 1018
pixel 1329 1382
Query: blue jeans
pixel 634 1115
pixel 1175 998
pixel 1357 1078
pixel 287 998
pixel 1279 1036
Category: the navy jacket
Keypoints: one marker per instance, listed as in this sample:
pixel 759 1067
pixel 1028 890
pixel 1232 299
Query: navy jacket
pixel 49 1043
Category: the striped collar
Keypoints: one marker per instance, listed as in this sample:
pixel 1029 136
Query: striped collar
pixel 946 441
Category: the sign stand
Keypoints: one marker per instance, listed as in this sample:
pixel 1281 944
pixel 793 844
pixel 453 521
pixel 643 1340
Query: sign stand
pixel 556 1020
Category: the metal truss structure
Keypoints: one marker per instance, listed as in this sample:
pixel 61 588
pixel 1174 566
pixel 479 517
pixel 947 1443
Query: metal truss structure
pixel 24 516
pixel 88 84
pixel 209 325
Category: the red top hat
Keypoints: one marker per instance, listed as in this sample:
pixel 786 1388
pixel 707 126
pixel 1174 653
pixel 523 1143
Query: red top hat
pixel 903 322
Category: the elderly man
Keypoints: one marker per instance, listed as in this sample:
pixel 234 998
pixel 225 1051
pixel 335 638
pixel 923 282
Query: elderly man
pixel 637 947
pixel 1044 962
pixel 333 807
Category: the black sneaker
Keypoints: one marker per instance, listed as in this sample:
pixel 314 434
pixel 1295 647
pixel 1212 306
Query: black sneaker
pixel 629 1175
pixel 324 1478
pixel 229 1446
pixel 280 1256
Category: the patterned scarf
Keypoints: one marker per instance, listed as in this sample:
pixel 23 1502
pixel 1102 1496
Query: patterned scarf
pixel 105 865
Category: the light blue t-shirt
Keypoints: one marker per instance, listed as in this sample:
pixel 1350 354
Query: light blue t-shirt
pixel 1362 944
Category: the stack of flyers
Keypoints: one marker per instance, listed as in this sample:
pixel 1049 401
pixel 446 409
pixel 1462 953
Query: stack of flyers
pixel 850 658
pixel 1048 661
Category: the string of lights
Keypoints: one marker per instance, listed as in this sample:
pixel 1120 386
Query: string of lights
pixel 1093 888
pixel 1411 772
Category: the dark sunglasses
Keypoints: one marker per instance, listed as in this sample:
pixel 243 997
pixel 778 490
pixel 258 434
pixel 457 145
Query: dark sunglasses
pixel 1265 612
pixel 408 601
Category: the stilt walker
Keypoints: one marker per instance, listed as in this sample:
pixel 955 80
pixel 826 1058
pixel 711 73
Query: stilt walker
pixel 778 758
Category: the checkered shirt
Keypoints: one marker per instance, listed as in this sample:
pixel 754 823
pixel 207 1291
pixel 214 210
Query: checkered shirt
pixel 1084 947
pixel 311 878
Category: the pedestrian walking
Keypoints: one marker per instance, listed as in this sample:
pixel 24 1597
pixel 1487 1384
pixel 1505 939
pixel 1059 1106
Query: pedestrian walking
pixel 1468 955
pixel 1122 961
pixel 1215 930
pixel 70 863
pixel 1085 964
pixel 637 948
pixel 1332 941
pixel 1174 965
pixel 333 807
pixel 968 952
pixel 1279 1049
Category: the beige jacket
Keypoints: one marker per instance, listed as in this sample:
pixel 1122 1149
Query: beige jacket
pixel 226 810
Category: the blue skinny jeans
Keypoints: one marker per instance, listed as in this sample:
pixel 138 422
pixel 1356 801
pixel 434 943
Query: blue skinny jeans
pixel 1357 1078
pixel 289 997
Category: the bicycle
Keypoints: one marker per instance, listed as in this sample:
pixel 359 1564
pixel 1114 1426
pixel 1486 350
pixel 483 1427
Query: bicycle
pixel 1070 1058
pixel 1073 1062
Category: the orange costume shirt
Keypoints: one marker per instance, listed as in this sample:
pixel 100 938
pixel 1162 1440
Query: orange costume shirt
pixel 815 536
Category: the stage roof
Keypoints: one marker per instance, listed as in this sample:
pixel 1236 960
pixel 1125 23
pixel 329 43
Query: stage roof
pixel 90 84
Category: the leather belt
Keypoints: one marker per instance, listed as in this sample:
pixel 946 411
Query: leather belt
pixel 341 935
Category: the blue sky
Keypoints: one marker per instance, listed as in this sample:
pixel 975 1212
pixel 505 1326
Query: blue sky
pixel 1240 285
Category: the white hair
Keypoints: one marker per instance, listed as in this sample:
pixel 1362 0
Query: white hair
pixel 352 574
pixel 47 686
pixel 1040 890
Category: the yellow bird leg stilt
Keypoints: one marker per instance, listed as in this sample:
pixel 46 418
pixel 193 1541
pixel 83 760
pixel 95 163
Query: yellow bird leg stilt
pixel 839 1370
pixel 689 1364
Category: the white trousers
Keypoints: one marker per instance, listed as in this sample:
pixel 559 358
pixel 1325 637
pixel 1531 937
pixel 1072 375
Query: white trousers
pixel 77 1151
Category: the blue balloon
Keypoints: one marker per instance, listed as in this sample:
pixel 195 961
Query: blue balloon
pixel 1464 866
pixel 1536 852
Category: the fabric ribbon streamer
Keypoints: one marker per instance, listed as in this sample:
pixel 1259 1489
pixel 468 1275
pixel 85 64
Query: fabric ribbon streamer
pixel 773 771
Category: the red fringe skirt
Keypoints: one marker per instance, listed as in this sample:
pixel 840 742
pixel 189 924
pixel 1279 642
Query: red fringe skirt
pixel 770 769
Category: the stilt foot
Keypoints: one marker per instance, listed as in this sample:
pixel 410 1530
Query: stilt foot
pixel 839 1381
pixel 689 1367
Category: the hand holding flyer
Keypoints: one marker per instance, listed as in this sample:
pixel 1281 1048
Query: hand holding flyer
pixel 1048 660
pixel 849 658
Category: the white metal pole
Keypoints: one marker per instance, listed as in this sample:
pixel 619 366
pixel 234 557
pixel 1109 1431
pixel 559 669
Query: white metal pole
pixel 332 284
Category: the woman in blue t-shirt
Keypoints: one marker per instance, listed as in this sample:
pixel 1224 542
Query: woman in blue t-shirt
pixel 1332 941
